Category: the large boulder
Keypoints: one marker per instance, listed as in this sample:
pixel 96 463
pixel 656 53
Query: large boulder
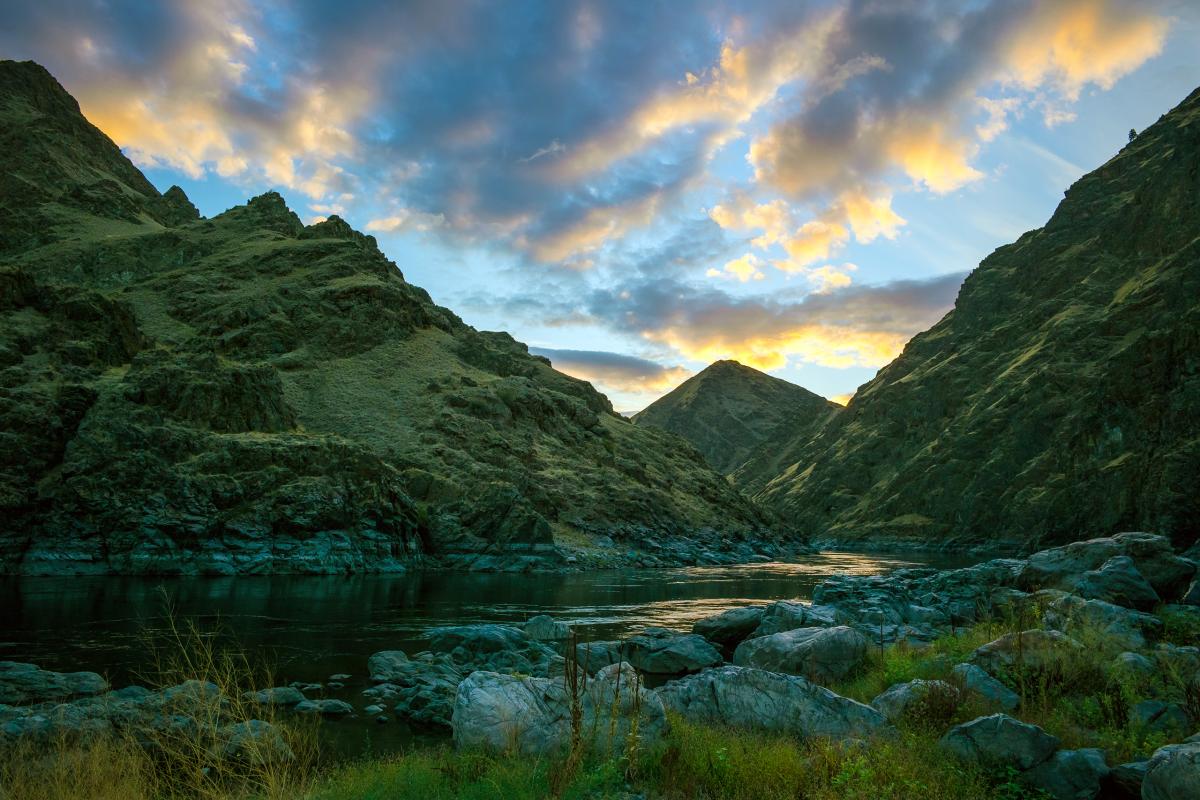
pixel 753 698
pixel 819 654
pixel 276 696
pixel 1031 650
pixel 666 652
pixel 1118 581
pixel 1173 773
pixel 1155 559
pixel 253 742
pixel 1121 626
pixel 729 628
pixel 978 682
pixel 1000 741
pixel 1070 774
pixel 899 700
pixel 594 656
pixel 787 615
pixel 532 716
pixel 22 684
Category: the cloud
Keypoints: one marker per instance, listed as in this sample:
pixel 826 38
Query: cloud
pixel 615 371
pixel 853 326
pixel 405 219
pixel 743 269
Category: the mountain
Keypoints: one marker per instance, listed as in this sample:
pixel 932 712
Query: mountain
pixel 727 410
pixel 249 394
pixel 1060 396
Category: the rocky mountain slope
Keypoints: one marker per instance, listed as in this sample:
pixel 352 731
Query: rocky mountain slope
pixel 249 394
pixel 1060 395
pixel 727 410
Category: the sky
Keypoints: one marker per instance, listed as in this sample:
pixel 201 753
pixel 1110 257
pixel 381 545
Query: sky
pixel 637 189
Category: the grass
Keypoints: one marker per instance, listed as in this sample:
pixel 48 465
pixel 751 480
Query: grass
pixel 1082 697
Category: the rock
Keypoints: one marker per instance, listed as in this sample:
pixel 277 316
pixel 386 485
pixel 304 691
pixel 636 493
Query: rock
pixel 1062 567
pixel 819 654
pixel 254 742
pixel 1070 774
pixel 1000 741
pixel 1134 664
pixel 1192 596
pixel 1033 649
pixel 666 652
pixel 1168 718
pixel 339 677
pixel 532 716
pixel 1173 773
pixel 743 697
pixel 895 702
pixel 546 629
pixel 497 648
pixel 387 665
pixel 276 696
pixel 1124 782
pixel 593 656
pixel 1127 628
pixel 786 615
pixel 729 628
pixel 980 683
pixel 1118 581
pixel 328 708
pixel 1155 559
pixel 24 684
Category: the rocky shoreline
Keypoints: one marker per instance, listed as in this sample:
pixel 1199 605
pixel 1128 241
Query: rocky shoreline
pixel 536 689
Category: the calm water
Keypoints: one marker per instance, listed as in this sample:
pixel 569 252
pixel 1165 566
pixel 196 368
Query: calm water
pixel 309 628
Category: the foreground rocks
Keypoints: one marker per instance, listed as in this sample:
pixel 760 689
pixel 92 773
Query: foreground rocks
pixel 1173 773
pixel 744 697
pixel 532 716
pixel 820 654
pixel 23 684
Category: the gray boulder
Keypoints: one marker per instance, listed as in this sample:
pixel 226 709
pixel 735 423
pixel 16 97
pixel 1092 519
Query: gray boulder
pixel 1155 559
pixel 422 688
pixel 545 628
pixel 666 652
pixel 1033 649
pixel 787 615
pixel 1173 773
pixel 1134 664
pixel 499 648
pixel 1118 581
pixel 23 684
pixel 1125 627
pixel 819 654
pixel 729 628
pixel 1191 597
pixel 387 664
pixel 594 656
pixel 1070 774
pixel 1168 718
pixel 899 699
pixel 1000 741
pixel 978 682
pixel 532 716
pixel 1061 567
pixel 743 697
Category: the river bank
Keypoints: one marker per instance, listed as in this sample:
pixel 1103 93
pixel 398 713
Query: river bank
pixel 1073 672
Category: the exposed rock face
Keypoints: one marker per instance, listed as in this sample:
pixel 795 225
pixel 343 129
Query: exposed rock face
pixel 978 682
pixel 532 716
pixel 1150 555
pixel 1129 628
pixel 1070 774
pixel 898 700
pixel 1061 394
pixel 819 654
pixel 753 698
pixel 728 410
pixel 1119 582
pixel 247 394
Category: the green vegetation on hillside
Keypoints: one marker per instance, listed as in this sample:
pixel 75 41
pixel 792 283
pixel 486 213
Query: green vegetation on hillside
pixel 728 410
pixel 1060 395
pixel 249 394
